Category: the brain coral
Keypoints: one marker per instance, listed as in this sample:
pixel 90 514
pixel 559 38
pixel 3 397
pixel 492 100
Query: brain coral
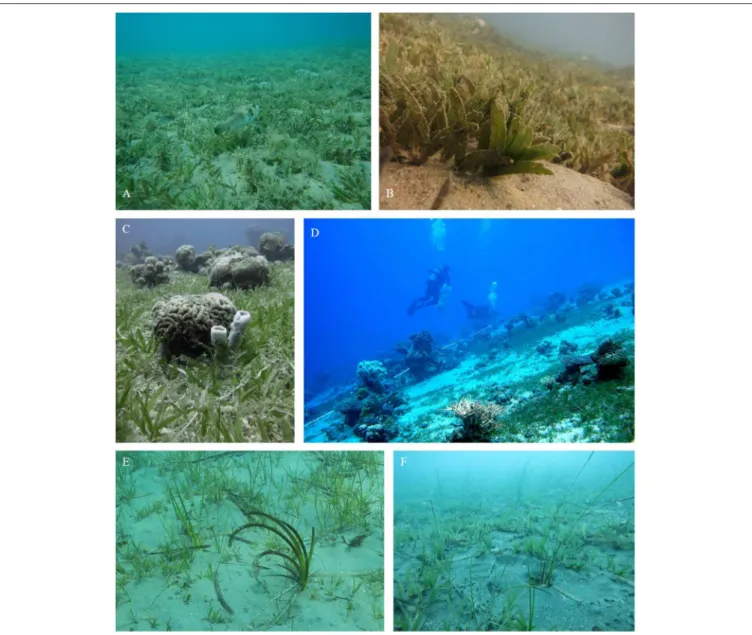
pixel 238 272
pixel 182 324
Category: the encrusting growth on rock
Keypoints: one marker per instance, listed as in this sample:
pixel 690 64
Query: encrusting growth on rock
pixel 479 421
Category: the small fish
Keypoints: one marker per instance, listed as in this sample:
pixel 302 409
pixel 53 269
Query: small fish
pixel 243 117
pixel 355 542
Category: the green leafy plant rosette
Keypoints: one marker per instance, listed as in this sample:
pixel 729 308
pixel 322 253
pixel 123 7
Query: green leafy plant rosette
pixel 505 145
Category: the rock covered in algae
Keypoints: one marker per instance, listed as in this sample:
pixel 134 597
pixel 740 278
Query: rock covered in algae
pixel 185 256
pixel 182 323
pixel 237 271
pixel 272 246
pixel 151 273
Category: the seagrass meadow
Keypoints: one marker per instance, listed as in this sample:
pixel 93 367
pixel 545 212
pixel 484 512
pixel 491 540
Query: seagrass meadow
pixel 249 541
pixel 229 116
pixel 514 541
pixel 245 396
pixel 471 119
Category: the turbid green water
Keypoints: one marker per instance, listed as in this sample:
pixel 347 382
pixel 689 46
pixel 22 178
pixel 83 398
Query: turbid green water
pixel 511 541
pixel 202 544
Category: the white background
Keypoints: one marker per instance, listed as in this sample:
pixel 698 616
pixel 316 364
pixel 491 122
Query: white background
pixel 694 412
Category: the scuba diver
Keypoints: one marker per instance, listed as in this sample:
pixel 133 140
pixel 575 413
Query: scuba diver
pixel 438 277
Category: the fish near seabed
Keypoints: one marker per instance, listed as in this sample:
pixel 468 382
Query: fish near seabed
pixel 243 116
pixel 355 542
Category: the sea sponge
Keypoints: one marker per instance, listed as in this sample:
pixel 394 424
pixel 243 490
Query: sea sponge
pixel 185 256
pixel 183 323
pixel 239 325
pixel 238 272
pixel 273 247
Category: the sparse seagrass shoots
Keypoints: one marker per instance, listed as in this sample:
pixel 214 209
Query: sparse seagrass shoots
pixel 295 559
pixel 197 561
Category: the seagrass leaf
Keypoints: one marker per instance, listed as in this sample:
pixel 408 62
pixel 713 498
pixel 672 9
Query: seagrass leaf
pixel 538 153
pixel 520 137
pixel 499 134
pixel 274 552
pixel 521 167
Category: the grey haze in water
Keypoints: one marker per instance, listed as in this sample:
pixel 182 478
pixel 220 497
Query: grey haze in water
pixel 165 235
pixel 609 37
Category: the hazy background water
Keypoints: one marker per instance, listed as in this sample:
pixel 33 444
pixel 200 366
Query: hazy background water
pixel 507 478
pixel 186 34
pixel 608 37
pixel 164 236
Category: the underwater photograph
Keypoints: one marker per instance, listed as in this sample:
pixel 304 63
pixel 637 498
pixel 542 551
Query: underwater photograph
pixel 469 330
pixel 514 541
pixel 250 541
pixel 507 111
pixel 205 330
pixel 243 111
